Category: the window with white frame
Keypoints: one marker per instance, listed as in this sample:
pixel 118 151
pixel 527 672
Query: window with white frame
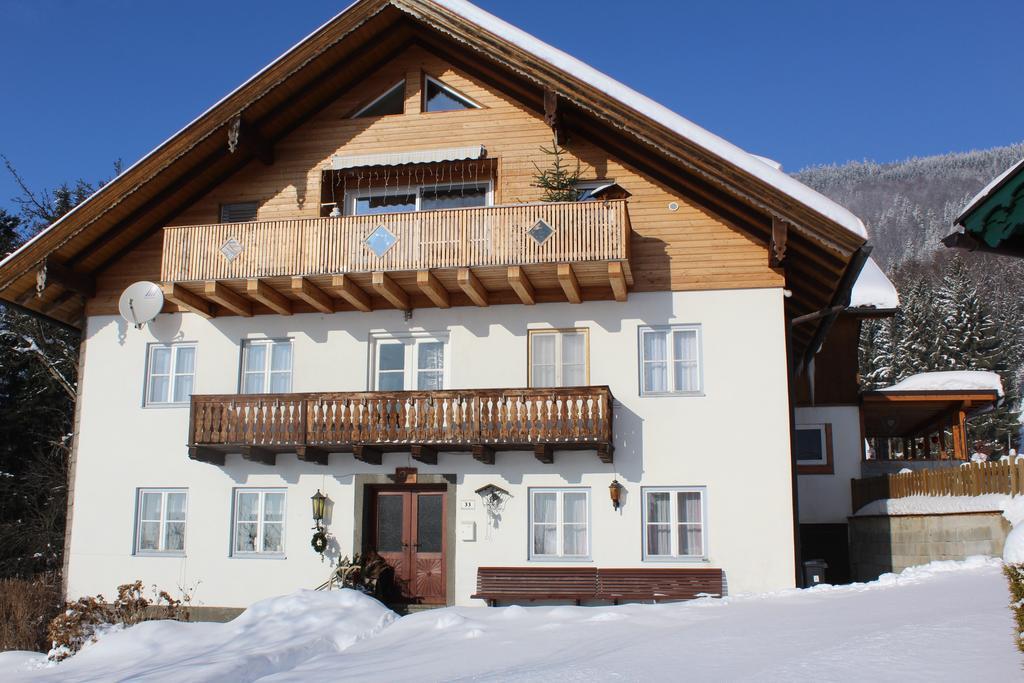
pixel 670 360
pixel 266 366
pixel 410 363
pixel 674 523
pixel 813 448
pixel 559 358
pixel 259 522
pixel 170 374
pixel 438 96
pixel 587 188
pixel 559 523
pixel 426 197
pixel 160 521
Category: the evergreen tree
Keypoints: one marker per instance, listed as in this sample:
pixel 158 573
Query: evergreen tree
pixel 557 181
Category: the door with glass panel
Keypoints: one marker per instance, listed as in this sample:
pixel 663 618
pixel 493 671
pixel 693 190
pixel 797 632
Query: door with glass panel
pixel 410 365
pixel 407 531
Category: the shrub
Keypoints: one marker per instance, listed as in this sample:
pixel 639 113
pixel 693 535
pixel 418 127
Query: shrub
pixel 1015 575
pixel 85 619
pixel 26 607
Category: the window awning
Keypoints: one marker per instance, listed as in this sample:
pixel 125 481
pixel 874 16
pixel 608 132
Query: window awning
pixel 422 156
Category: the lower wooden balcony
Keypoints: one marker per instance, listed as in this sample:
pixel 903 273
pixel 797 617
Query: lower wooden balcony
pixel 368 424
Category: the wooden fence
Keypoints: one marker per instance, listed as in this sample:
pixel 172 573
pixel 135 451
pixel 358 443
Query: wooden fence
pixel 972 479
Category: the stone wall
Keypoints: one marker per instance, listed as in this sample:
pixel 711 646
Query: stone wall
pixel 880 544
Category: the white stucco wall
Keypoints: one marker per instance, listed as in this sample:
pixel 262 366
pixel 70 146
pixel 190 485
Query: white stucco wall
pixel 825 498
pixel 734 440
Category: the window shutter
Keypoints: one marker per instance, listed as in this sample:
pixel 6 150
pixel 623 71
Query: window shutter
pixel 242 212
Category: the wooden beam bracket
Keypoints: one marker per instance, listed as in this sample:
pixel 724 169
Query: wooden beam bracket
pixel 218 292
pixel 390 290
pixel 312 295
pixel 371 455
pixel 313 454
pixel 545 453
pixel 177 294
pixel 483 453
pixel 424 454
pixel 432 287
pixel 519 282
pixel 345 287
pixel 257 454
pixel 471 285
pixel 268 296
pixel 207 455
pixel 570 285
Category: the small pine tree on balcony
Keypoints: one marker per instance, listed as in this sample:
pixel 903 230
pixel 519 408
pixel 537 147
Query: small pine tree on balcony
pixel 557 181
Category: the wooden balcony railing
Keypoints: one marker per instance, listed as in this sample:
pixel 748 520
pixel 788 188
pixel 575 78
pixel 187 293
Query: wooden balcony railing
pixel 259 426
pixel 451 238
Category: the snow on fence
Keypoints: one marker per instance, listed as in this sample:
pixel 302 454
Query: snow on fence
pixel 974 479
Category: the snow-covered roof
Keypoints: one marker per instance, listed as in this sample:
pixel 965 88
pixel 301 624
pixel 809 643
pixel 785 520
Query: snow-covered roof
pixel 951 380
pixel 988 190
pixel 755 166
pixel 873 289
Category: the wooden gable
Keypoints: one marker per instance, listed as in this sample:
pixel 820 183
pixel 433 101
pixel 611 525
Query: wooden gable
pixel 290 119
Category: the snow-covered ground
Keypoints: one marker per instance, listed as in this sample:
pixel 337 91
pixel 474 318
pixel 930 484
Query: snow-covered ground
pixel 943 621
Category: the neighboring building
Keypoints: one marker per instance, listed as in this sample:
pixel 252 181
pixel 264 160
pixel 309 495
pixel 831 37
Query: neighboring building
pixel 364 297
pixel 993 221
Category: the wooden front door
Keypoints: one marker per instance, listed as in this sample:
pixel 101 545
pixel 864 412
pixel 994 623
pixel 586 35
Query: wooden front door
pixel 408 532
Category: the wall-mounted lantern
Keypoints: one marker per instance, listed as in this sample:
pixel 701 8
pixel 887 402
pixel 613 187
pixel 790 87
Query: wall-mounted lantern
pixel 615 493
pixel 319 541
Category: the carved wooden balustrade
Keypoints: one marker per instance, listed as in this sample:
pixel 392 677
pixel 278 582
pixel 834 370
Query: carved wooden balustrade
pixel 367 424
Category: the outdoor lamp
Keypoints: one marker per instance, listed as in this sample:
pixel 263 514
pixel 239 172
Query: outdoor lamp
pixel 319 500
pixel 615 492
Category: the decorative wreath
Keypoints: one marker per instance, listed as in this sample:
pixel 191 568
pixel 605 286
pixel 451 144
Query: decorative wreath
pixel 319 541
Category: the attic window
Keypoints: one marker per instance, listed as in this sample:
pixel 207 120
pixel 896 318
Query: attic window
pixel 439 97
pixel 241 212
pixel 391 102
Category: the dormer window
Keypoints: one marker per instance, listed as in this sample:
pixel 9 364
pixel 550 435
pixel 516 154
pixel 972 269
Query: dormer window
pixel 438 96
pixel 392 101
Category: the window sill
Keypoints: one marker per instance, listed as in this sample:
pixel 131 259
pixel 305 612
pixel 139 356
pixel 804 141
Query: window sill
pixel 164 406
pixel 676 559
pixel 817 468
pixel 258 556
pixel 672 394
pixel 158 553
pixel 561 560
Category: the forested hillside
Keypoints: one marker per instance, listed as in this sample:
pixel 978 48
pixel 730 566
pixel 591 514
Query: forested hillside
pixel 959 310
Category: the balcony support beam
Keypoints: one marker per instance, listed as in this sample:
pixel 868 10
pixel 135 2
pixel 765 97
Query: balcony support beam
pixel 312 295
pixel 207 455
pixel 390 290
pixel 518 281
pixel 605 451
pixel 545 453
pixel 432 287
pixel 177 294
pixel 472 286
pixel 424 454
pixel 483 453
pixel 268 296
pixel 219 293
pixel 311 454
pixel 570 285
pixel 257 454
pixel 368 454
pixel 345 287
pixel 617 279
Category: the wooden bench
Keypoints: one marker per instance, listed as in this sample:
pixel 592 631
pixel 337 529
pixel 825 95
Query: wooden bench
pixel 662 583
pixel 509 584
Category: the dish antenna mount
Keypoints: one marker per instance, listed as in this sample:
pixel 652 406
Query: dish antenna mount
pixel 140 303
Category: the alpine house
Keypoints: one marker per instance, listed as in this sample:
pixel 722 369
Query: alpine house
pixel 509 382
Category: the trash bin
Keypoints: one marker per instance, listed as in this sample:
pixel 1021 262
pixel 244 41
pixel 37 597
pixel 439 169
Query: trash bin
pixel 814 572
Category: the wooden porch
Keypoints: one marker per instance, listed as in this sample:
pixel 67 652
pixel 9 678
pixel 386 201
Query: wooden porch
pixel 368 424
pixel 524 253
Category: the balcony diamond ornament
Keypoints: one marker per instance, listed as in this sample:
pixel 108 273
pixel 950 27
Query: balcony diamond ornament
pixel 231 249
pixel 541 231
pixel 380 240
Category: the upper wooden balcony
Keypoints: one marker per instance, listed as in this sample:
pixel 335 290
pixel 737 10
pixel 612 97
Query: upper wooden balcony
pixel 367 424
pixel 473 256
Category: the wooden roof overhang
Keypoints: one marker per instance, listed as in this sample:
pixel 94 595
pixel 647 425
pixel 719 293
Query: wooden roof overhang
pixel 816 253
pixel 994 221
pixel 897 414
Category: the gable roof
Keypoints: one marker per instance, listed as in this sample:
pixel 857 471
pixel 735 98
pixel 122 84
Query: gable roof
pixel 118 216
pixel 993 221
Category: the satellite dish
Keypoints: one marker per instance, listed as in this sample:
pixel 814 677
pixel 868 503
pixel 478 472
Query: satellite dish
pixel 140 303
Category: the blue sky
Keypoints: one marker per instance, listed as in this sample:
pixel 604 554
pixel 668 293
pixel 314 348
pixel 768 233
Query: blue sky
pixel 803 81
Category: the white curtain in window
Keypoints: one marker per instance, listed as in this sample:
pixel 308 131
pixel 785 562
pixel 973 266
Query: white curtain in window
pixel 543 360
pixel 247 527
pixel 254 368
pixel 149 521
pixel 574 523
pixel 159 374
pixel 280 367
pixel 174 528
pixel 545 527
pixel 685 360
pixel 574 359
pixel 691 536
pixel 430 366
pixel 655 348
pixel 184 373
pixel 659 523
